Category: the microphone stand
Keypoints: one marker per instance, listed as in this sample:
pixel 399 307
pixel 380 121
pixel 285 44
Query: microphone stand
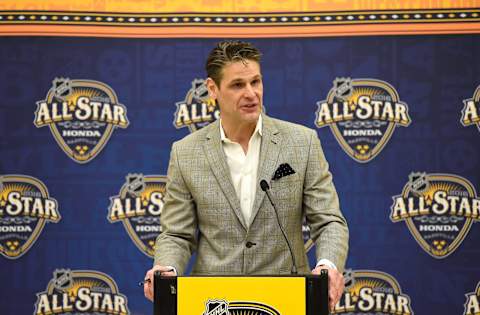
pixel 265 187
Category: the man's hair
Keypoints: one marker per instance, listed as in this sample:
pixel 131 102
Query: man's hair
pixel 226 52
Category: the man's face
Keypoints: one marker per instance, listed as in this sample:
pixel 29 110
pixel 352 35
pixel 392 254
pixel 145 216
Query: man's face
pixel 240 92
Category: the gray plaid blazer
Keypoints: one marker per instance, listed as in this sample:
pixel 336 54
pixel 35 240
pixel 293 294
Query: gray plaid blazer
pixel 202 212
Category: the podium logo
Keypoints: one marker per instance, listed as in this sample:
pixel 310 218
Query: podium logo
pixel 82 115
pixel 222 307
pixel 439 210
pixel 472 305
pixel 471 110
pixel 139 206
pixel 81 292
pixel 362 114
pixel 197 110
pixel 372 292
pixel 216 307
pixel 25 208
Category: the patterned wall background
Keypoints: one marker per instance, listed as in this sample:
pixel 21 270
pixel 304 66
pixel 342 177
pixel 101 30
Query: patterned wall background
pixel 86 126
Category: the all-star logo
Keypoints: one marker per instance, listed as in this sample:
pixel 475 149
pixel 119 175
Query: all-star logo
pixel 362 114
pixel 471 110
pixel 372 292
pixel 25 208
pixel 139 206
pixel 472 305
pixel 222 307
pixel 198 109
pixel 82 115
pixel 439 210
pixel 81 292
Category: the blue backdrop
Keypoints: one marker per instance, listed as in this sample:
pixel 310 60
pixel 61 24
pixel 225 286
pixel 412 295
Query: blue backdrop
pixel 432 74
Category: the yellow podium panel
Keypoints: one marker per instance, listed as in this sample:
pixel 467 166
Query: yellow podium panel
pixel 240 295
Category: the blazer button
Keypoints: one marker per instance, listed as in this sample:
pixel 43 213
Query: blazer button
pixel 250 244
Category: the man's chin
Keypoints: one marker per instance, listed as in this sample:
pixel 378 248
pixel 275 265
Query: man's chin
pixel 251 117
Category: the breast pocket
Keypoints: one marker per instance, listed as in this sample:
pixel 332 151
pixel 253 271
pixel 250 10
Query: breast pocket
pixel 287 186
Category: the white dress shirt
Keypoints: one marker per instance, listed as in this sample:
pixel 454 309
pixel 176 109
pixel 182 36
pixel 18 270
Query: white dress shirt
pixel 243 167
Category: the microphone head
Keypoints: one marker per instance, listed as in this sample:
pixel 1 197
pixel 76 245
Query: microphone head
pixel 264 185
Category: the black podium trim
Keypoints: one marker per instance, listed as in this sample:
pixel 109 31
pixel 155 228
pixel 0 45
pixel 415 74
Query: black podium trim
pixel 166 288
pixel 317 293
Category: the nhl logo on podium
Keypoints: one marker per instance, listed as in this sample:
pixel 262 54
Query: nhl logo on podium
pixel 216 307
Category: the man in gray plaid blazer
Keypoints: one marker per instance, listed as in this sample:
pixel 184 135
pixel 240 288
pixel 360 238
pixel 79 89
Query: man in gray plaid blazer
pixel 214 204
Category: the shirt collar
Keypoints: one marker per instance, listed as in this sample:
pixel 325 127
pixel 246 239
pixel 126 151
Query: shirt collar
pixel 258 129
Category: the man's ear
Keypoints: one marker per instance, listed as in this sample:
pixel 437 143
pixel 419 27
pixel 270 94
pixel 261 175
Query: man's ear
pixel 212 88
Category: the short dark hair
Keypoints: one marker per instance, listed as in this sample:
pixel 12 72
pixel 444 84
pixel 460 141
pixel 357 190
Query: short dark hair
pixel 229 51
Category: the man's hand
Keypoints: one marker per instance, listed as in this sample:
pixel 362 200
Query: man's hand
pixel 148 281
pixel 336 284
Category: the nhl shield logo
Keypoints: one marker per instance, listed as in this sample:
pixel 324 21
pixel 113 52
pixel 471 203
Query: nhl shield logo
pixel 471 110
pixel 216 307
pixel 62 279
pixel 62 88
pixel 25 208
pixel 139 206
pixel 362 114
pixel 439 210
pixel 135 184
pixel 198 109
pixel 81 115
pixel 418 182
pixel 343 88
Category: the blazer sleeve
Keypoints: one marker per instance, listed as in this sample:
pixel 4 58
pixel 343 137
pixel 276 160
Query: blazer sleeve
pixel 178 239
pixel 328 227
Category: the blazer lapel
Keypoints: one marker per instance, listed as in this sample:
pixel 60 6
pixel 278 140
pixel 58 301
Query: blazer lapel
pixel 218 164
pixel 269 152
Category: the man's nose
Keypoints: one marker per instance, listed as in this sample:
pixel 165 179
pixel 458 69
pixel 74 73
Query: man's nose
pixel 249 91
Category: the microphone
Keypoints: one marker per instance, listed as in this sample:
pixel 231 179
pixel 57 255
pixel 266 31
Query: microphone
pixel 265 187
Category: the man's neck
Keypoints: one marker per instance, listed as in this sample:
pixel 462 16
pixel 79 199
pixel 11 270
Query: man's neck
pixel 239 133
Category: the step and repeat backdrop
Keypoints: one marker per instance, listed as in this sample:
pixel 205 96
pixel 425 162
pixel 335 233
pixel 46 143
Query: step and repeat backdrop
pixel 90 104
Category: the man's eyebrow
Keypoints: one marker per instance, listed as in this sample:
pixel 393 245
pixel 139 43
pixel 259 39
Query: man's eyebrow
pixel 236 80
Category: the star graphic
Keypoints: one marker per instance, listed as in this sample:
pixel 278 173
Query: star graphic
pixel 352 105
pixel 211 105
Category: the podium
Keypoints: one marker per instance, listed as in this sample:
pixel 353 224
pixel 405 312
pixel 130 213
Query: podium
pixel 239 295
